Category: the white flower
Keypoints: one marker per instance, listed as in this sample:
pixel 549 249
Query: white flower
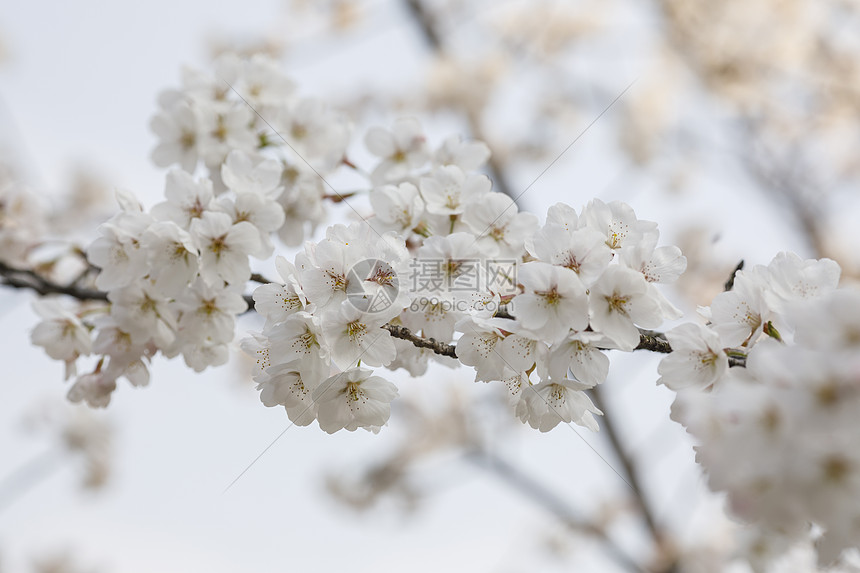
pixel 246 173
pixel 264 213
pixel 324 273
pixel 397 208
pixel 580 353
pixel 209 313
pixel 118 251
pixel 177 128
pixel 411 358
pixel 225 247
pixel 262 82
pixel 223 130
pixel 355 336
pixel 199 357
pixel 554 301
pixel 829 322
pixel 95 389
pixel 477 346
pixel 697 359
pixel 434 315
pixel 737 315
pixel 792 278
pixel 617 222
pixel 317 134
pixel 187 199
pixel 61 333
pixel 299 338
pixel 448 189
pixel 515 383
pixel 563 215
pixel 443 260
pixel 546 404
pixel 277 301
pixel 619 301
pixel 284 385
pixel 522 350
pixel 257 348
pixel 171 256
pixel 144 312
pixel 303 207
pixel 354 399
pixel 402 149
pixel 501 231
pixel 583 251
pixel 467 155
pixel 660 265
pixel 125 349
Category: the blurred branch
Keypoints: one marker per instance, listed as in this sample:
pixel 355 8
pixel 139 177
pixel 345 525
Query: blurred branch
pixel 633 478
pixel 531 489
pixel 787 182
pixel 784 184
pixel 429 29
pixel 30 279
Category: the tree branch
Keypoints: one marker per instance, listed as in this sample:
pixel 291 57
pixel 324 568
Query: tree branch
pixel 28 279
pixel 404 333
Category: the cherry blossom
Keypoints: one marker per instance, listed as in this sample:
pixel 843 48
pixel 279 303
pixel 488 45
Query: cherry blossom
pixel 354 399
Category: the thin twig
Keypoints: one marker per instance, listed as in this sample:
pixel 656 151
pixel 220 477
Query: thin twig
pixel 404 333
pixel 730 284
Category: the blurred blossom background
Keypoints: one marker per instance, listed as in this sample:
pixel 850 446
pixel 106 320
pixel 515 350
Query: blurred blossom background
pixel 735 125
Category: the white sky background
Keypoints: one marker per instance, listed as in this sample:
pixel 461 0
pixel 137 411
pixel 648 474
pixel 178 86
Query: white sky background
pixel 80 86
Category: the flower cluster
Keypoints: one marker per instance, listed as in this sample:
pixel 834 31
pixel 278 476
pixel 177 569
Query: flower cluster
pixel 779 436
pixel 251 106
pixel 443 259
pixel 174 278
pixel 586 283
pixel 174 275
pixel 452 261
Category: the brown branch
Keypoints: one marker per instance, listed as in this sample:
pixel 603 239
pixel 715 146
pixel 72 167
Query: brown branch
pixel 28 279
pixel 730 284
pixel 653 341
pixel 429 343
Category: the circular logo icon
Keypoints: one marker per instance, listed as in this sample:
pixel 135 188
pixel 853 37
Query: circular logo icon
pixel 372 285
